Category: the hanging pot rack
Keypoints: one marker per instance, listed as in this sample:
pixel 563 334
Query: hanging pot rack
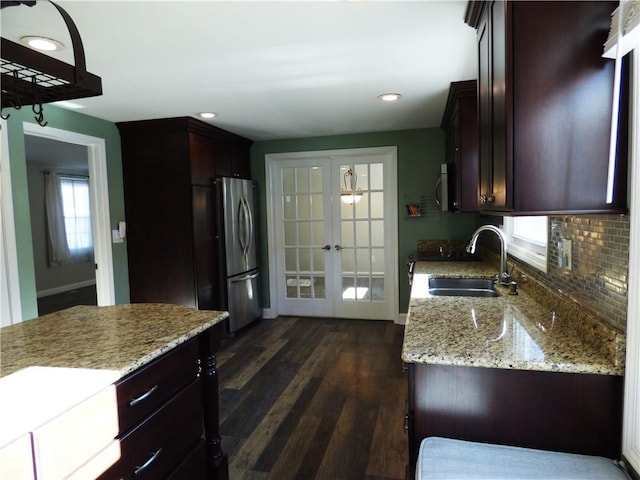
pixel 32 78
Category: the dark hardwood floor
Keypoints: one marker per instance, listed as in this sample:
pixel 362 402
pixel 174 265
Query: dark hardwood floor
pixel 308 398
pixel 71 298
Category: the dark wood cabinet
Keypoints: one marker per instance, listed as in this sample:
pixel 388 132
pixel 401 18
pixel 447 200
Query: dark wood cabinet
pixel 172 239
pixel 567 412
pixel 544 101
pixel 460 123
pixel 231 161
pixel 168 416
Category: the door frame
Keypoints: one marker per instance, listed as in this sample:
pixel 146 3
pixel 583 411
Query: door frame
pixel 11 311
pixel 271 161
pixel 99 196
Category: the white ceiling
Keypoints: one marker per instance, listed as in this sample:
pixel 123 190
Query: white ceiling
pixel 269 70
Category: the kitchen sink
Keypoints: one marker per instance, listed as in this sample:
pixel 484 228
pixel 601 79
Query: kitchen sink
pixel 462 287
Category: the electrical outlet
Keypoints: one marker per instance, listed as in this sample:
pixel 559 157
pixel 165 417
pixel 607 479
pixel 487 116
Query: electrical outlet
pixel 567 253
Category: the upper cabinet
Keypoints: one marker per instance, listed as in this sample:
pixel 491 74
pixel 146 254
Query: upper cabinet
pixel 544 108
pixel 460 123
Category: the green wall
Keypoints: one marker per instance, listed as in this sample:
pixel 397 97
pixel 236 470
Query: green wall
pixel 74 122
pixel 420 153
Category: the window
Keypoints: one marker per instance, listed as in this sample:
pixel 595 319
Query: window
pixel 77 214
pixel 527 240
pixel 68 219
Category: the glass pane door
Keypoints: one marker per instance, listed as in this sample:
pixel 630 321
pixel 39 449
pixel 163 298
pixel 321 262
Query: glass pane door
pixel 304 237
pixel 362 242
pixel 362 230
pixel 335 247
pixel 303 232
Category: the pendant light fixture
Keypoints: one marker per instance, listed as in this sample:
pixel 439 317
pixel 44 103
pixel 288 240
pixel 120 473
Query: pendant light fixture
pixel 350 194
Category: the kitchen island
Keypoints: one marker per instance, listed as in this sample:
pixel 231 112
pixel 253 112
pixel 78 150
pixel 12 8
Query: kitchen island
pixel 150 368
pixel 528 370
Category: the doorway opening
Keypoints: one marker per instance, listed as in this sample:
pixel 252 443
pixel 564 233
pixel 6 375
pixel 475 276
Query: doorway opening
pixel 333 239
pixel 60 284
pixel 101 230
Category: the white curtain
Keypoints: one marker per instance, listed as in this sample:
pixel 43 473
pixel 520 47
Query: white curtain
pixel 76 209
pixel 58 249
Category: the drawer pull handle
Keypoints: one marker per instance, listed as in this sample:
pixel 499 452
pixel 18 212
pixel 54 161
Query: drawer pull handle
pixel 145 395
pixel 148 462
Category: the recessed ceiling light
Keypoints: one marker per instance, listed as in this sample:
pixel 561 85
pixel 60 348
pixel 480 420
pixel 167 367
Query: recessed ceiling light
pixel 42 43
pixel 389 97
pixel 207 115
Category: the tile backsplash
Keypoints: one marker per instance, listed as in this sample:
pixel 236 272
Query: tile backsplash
pixel 597 279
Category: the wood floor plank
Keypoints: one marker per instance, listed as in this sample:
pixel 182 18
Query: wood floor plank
pixel 253 366
pixel 241 474
pixel 287 466
pixel 262 392
pixel 389 444
pixel 249 453
pixel 307 399
pixel 322 359
pixel 273 329
pixel 347 454
pixel 287 427
pixel 223 357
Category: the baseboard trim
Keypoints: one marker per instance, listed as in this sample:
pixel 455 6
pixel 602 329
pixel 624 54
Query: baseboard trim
pixel 401 318
pixel 268 313
pixel 65 288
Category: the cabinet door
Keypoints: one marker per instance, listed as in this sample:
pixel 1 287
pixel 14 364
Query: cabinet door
pixel 158 204
pixel 466 156
pixel 495 123
pixel 500 84
pixel 204 247
pixel 232 160
pixel 242 165
pixel 562 112
pixel 484 105
pixel 201 155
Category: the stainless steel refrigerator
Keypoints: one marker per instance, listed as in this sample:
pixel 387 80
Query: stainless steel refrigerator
pixel 240 251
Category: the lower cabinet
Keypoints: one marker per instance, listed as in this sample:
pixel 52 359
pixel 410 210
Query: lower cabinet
pixel 153 448
pixel 191 467
pixel 168 416
pixel 567 412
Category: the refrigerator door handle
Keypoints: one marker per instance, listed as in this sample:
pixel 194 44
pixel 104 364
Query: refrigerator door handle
pixel 245 278
pixel 241 224
pixel 250 225
pixel 245 218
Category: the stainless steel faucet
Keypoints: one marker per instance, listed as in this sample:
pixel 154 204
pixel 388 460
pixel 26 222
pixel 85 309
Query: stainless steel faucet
pixel 503 276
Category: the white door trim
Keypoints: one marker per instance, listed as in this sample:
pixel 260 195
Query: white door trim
pixel 270 165
pixel 631 422
pixel 12 309
pixel 97 158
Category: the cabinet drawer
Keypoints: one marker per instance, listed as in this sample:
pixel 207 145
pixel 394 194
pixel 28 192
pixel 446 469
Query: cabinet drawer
pixel 156 446
pixel 149 387
pixel 194 467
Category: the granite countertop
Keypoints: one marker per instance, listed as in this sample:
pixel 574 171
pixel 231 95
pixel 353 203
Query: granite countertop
pixel 510 331
pixel 119 338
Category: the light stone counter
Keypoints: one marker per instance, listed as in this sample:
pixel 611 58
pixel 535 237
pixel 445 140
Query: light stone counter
pixel 511 332
pixel 119 338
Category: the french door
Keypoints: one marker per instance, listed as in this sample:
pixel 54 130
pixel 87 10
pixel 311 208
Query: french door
pixel 333 253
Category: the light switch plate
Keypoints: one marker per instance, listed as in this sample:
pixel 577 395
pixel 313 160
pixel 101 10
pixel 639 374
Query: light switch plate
pixel 116 238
